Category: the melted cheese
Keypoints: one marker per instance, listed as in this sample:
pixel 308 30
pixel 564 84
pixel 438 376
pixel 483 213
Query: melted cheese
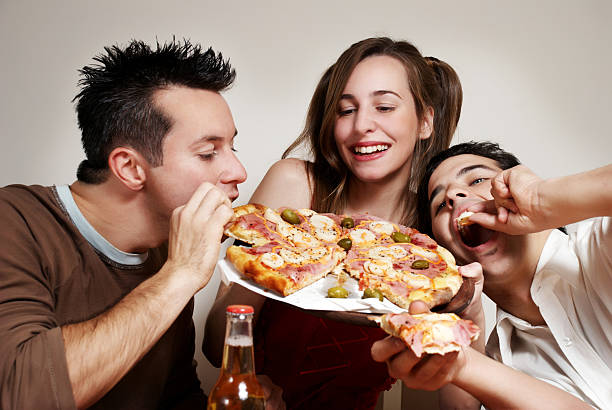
pixel 303 255
pixel 272 216
pixel 314 254
pixel 416 280
pixel 441 333
pixel 429 255
pixel 382 227
pixel 272 260
pixel 306 212
pixel 324 228
pixel 451 281
pixel 378 266
pixel 296 235
pixel 361 237
pixel 291 257
pixel 393 252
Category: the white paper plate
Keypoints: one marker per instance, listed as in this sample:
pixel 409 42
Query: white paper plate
pixel 314 297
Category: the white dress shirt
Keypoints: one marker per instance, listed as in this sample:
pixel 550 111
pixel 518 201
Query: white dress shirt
pixel 572 287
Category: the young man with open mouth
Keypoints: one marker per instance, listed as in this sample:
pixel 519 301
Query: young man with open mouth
pixel 552 290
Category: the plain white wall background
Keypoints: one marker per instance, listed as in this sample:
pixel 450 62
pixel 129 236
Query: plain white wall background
pixel 535 75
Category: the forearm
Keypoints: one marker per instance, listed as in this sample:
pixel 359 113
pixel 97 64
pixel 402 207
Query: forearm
pixel 214 334
pixel 451 396
pixel 100 351
pixel 577 197
pixel 499 386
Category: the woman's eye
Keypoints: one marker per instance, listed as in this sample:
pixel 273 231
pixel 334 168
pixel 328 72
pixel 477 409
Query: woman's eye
pixel 385 108
pixel 346 111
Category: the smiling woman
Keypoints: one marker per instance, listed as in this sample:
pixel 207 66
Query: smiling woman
pixel 377 119
pixel 376 115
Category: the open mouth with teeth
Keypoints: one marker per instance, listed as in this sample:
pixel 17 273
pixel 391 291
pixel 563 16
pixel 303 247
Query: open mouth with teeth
pixel 369 149
pixel 474 235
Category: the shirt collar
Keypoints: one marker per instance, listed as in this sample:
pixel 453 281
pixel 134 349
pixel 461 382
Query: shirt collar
pixel 92 236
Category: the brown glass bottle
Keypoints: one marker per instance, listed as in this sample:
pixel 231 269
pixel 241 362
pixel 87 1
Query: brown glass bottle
pixel 237 387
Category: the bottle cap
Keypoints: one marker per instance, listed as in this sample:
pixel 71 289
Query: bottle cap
pixel 240 309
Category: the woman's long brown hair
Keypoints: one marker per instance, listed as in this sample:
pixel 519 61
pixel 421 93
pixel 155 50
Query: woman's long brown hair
pixel 432 82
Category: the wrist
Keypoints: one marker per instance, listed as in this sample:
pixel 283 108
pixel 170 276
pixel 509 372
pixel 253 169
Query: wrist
pixel 180 278
pixel 474 312
pixel 462 376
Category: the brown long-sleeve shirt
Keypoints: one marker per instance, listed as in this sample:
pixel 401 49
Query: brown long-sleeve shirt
pixel 50 275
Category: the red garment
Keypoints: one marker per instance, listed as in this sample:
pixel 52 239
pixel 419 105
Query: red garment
pixel 319 363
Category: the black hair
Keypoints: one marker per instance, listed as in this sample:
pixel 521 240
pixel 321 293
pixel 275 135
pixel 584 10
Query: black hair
pixel 115 105
pixel 485 149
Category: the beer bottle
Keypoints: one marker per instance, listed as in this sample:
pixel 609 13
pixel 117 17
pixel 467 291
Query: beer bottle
pixel 237 387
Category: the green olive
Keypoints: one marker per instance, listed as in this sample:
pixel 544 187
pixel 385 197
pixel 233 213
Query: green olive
pixel 347 223
pixel 290 216
pixel 397 236
pixel 337 292
pixel 420 264
pixel 372 293
pixel 345 243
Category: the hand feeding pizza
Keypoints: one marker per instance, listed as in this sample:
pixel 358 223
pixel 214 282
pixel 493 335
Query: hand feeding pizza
pixel 292 249
pixel 439 333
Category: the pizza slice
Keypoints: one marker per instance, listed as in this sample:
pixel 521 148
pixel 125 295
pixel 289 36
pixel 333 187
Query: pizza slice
pixel 433 333
pixel 283 268
pixel 257 225
pixel 404 272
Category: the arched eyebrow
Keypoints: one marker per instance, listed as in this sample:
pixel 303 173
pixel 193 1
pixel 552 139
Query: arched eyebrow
pixel 373 94
pixel 461 172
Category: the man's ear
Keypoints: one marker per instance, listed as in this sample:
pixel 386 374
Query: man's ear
pixel 427 123
pixel 128 166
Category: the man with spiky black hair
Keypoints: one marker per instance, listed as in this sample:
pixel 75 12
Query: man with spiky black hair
pixel 97 278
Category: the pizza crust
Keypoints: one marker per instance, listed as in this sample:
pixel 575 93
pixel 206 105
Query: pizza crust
pixel 252 267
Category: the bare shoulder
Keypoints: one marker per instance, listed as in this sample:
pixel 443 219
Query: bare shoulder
pixel 289 170
pixel 285 184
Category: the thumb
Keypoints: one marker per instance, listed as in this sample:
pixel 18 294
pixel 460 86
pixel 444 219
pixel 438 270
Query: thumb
pixel 472 270
pixel 417 307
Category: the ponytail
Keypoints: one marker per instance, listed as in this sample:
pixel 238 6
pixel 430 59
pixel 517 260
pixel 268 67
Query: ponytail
pixel 444 94
pixel 448 107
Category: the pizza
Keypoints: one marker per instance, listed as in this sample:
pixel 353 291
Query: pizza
pixel 289 249
pixel 284 257
pixel 464 219
pixel 439 333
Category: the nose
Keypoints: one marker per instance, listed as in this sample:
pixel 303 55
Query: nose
pixel 453 193
pixel 233 172
pixel 364 121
